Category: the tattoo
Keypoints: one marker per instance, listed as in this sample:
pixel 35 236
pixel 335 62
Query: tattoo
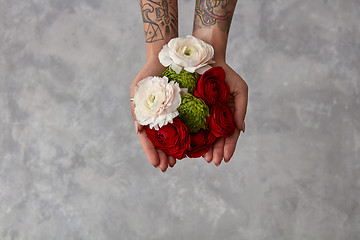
pixel 159 19
pixel 210 12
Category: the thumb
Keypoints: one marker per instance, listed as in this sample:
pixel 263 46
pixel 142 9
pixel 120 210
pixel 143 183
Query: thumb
pixel 138 127
pixel 132 107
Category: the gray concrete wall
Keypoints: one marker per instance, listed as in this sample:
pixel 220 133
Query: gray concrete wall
pixel 71 166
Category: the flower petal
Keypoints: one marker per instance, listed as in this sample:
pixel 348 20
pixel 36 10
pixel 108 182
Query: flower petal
pixel 164 58
pixel 156 101
pixel 189 53
pixel 203 69
pixel 176 68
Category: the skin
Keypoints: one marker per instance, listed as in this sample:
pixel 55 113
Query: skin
pixel 211 23
pixel 160 26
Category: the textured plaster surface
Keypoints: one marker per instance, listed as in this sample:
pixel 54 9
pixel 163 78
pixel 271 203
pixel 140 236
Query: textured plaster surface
pixel 71 166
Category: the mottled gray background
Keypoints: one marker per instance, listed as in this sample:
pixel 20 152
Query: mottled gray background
pixel 71 166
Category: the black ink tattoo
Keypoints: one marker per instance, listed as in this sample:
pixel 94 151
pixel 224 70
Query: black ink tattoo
pixel 210 12
pixel 158 20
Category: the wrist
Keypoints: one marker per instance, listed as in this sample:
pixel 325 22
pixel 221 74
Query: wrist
pixel 153 49
pixel 217 40
pixel 219 62
pixel 152 52
pixel 152 59
pixel 154 63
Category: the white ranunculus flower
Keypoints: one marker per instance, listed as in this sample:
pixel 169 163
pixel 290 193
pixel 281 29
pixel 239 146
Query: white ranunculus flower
pixel 189 53
pixel 156 101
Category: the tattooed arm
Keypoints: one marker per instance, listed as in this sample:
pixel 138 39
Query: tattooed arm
pixel 160 19
pixel 212 24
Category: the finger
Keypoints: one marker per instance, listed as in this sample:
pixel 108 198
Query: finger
pixel 230 145
pixel 163 160
pixel 149 149
pixel 172 161
pixel 208 155
pixel 240 102
pixel 218 151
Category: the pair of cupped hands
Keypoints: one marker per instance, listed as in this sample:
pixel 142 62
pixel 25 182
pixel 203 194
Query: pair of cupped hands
pixel 223 148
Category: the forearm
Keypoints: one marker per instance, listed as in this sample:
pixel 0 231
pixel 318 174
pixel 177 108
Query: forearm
pixel 160 19
pixel 212 22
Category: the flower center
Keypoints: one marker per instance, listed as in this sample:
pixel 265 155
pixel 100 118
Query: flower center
pixel 187 52
pixel 151 100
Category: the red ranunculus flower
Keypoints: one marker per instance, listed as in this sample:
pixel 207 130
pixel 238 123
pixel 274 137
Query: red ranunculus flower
pixel 212 88
pixel 221 120
pixel 173 138
pixel 200 143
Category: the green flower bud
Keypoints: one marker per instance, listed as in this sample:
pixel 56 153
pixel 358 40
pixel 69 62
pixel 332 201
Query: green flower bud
pixel 193 112
pixel 185 79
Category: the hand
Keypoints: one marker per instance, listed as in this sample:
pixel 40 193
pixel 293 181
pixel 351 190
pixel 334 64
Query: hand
pixel 155 156
pixel 224 148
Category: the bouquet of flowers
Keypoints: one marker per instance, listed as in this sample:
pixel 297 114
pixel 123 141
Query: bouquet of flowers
pixel 185 109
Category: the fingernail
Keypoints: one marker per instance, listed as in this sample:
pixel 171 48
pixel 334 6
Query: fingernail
pixel 243 127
